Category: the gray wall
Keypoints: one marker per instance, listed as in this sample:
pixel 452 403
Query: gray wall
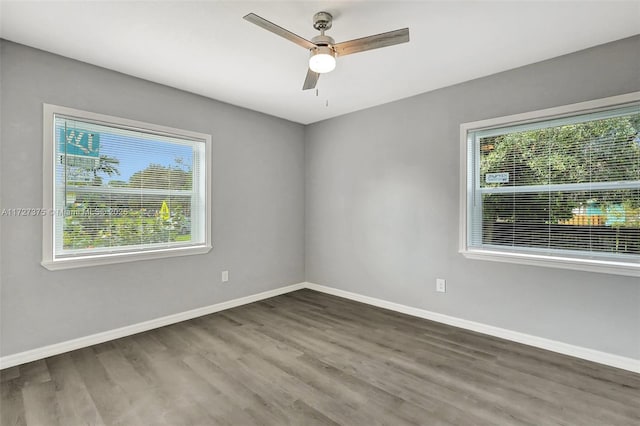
pixel 258 200
pixel 382 207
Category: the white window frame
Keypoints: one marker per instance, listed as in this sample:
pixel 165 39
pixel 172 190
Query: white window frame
pixel 51 218
pixel 548 259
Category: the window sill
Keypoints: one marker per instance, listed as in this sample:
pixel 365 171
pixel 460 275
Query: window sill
pixel 111 258
pixel 590 265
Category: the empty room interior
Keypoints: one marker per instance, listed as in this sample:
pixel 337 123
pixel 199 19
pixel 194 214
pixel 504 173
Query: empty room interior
pixel 332 213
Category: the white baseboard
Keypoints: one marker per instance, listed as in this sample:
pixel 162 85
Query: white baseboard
pixel 94 339
pixel 605 358
pixel 612 360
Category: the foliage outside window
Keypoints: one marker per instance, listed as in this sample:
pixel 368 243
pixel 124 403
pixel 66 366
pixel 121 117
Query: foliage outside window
pixel 564 189
pixel 122 190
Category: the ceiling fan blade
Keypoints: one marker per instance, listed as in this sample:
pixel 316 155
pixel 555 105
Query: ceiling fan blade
pixel 311 80
pixel 270 26
pixel 372 42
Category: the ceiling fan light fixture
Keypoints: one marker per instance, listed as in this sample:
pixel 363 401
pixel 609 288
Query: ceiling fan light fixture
pixel 324 49
pixel 322 60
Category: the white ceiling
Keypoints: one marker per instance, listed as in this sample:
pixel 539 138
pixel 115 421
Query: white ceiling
pixel 207 48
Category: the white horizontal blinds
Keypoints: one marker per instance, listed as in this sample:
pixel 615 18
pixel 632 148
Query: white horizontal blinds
pixel 199 194
pixel 567 185
pixel 120 189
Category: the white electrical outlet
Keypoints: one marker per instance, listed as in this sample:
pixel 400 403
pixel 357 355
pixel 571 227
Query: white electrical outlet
pixel 441 285
pixel 225 276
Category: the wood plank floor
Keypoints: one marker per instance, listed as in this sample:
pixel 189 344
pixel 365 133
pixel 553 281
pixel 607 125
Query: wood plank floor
pixel 307 358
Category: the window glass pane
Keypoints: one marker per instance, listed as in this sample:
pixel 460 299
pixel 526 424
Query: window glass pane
pixel 124 189
pixel 570 187
pixel 603 150
pixel 587 221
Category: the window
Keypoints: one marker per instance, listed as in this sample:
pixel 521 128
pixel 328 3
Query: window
pixel 117 190
pixel 558 187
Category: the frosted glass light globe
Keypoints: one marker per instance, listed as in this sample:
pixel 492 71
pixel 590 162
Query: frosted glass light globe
pixel 322 60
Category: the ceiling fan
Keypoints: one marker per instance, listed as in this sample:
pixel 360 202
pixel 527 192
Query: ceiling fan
pixel 324 49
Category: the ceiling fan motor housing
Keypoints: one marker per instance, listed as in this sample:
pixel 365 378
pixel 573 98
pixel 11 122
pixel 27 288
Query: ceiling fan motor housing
pixel 323 40
pixel 324 44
